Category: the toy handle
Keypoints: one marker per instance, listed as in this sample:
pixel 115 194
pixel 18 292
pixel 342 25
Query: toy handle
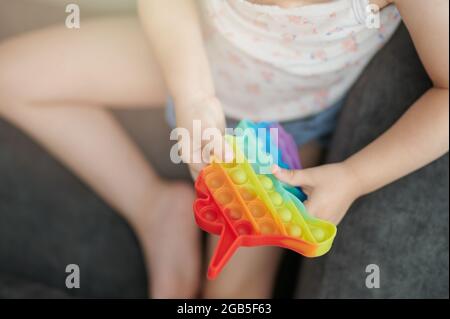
pixel 226 247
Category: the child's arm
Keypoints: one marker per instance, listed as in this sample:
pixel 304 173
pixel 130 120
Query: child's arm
pixel 174 31
pixel 420 136
pixel 175 36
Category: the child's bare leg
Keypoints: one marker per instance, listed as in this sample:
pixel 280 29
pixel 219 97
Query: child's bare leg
pixel 251 271
pixel 249 274
pixel 54 84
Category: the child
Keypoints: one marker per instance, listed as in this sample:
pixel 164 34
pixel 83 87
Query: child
pixel 289 61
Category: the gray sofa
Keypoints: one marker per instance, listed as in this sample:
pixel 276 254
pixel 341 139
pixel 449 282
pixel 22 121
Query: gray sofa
pixel 402 228
pixel 49 219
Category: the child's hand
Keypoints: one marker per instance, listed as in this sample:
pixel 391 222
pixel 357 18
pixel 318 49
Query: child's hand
pixel 210 114
pixel 331 189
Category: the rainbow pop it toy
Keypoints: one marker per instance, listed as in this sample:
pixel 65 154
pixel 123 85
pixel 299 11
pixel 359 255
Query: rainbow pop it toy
pixel 248 208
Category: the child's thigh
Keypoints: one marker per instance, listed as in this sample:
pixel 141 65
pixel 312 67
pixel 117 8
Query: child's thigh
pixel 107 61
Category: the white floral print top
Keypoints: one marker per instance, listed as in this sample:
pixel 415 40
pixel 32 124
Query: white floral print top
pixel 271 63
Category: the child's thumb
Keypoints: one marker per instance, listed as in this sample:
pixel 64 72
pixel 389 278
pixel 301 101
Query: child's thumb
pixel 291 177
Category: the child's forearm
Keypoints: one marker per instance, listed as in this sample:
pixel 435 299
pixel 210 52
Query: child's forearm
pixel 419 137
pixel 173 27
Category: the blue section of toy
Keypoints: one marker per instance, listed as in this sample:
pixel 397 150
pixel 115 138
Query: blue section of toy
pixel 261 154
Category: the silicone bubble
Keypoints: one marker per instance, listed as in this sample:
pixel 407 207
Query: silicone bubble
pixel 257 210
pixel 285 215
pixel 295 230
pixel 264 159
pixel 214 181
pixel 318 234
pixel 248 194
pixel 224 197
pixel 267 227
pixel 276 198
pixel 266 182
pixel 235 213
pixel 210 215
pixel 244 228
pixel 238 176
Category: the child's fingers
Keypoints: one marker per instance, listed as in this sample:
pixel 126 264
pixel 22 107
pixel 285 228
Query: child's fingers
pixel 218 149
pixel 222 150
pixel 291 177
pixel 308 209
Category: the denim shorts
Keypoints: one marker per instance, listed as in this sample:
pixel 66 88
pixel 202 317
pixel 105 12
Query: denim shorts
pixel 316 127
